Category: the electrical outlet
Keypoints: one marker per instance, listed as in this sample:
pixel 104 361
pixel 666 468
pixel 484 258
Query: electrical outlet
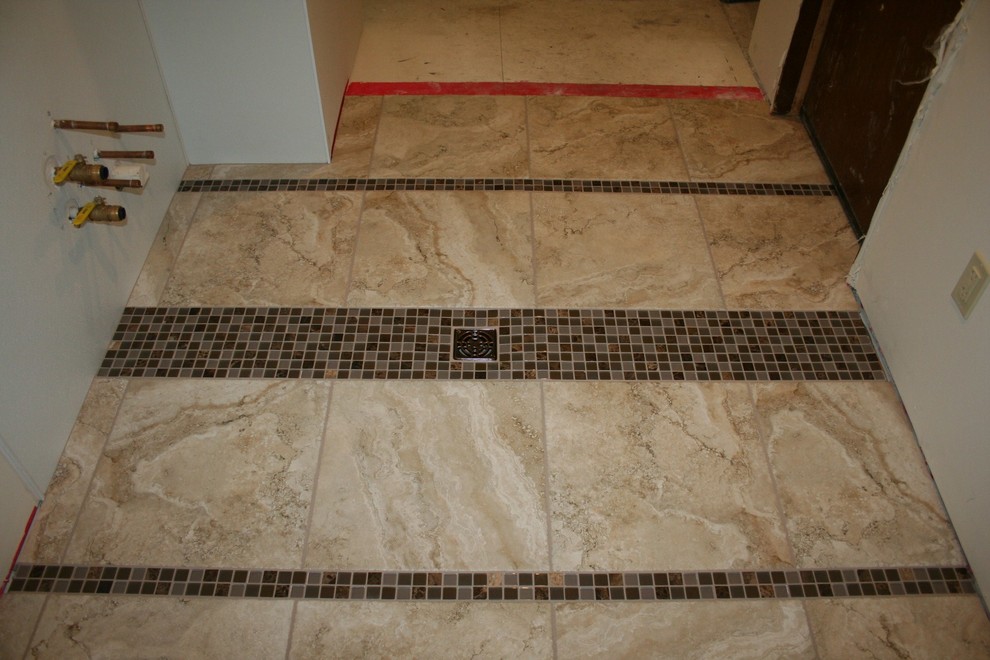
pixel 971 284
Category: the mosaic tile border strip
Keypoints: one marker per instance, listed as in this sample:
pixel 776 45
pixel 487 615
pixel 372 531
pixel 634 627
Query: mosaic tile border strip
pixel 493 585
pixel 526 185
pixel 549 344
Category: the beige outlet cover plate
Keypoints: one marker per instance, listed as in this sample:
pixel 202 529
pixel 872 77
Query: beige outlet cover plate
pixel 971 284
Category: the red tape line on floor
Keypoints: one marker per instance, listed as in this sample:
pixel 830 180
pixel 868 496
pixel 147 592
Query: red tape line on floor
pixel 17 553
pixel 700 92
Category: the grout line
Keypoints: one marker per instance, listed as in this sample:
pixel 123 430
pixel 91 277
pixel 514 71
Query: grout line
pixel 811 630
pixel 292 626
pixel 316 477
pixel 548 504
pixel 178 252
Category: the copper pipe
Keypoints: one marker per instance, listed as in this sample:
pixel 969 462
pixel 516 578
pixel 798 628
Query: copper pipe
pixel 111 126
pixel 125 154
pixel 121 183
pixel 139 128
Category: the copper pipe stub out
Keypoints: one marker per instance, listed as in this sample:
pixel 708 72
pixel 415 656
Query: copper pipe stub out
pixel 140 128
pixel 125 154
pixel 112 126
pixel 74 124
pixel 120 183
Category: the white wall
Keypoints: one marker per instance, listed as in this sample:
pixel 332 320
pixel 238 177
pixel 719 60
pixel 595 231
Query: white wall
pixel 14 514
pixel 242 79
pixel 775 23
pixel 933 215
pixel 335 26
pixel 62 289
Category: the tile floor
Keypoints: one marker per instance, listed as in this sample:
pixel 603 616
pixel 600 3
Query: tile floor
pixel 511 478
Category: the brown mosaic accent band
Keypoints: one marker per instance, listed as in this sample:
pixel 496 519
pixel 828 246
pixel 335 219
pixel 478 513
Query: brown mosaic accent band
pixel 549 344
pixel 493 585
pixel 525 185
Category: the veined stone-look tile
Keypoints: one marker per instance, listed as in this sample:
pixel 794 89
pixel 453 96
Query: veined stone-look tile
pixel 669 476
pixel 742 19
pixel 626 251
pixel 603 138
pixel 53 525
pixel 160 262
pixel 432 40
pixel 421 630
pixel 205 473
pixel 271 248
pixel 754 629
pixel 465 249
pixel 430 475
pixel 198 172
pixel 79 626
pixel 852 481
pixel 351 157
pixel 452 136
pixel 899 628
pixel 742 141
pixel 18 615
pixel 685 42
pixel 781 252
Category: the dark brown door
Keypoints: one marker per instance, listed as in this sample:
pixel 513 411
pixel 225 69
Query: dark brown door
pixel 865 89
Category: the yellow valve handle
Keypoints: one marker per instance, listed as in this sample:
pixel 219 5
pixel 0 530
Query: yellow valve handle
pixel 83 214
pixel 63 172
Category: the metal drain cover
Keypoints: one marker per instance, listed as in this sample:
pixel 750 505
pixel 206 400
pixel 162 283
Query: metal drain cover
pixel 475 344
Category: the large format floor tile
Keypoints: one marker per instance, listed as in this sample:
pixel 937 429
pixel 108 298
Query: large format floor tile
pixel 852 481
pixel 667 476
pixel 431 475
pixel 742 141
pixel 266 248
pixel 430 630
pixel 629 251
pixel 429 40
pixel 452 136
pixel 683 630
pixel 205 473
pixel 781 253
pixel 160 262
pixel 900 628
pixel 66 491
pixel 603 138
pixel 126 627
pixel 466 249
pixel 19 614
pixel 670 42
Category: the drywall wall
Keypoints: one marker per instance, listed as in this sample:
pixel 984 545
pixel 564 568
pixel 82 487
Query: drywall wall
pixel 931 218
pixel 241 78
pixel 775 22
pixel 62 289
pixel 335 27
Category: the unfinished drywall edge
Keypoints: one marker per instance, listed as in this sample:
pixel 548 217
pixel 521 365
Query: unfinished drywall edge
pixel 772 34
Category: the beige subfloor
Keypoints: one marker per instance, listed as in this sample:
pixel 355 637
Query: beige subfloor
pixel 509 475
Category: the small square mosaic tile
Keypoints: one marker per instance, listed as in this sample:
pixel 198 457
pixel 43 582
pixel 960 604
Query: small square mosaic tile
pixel 493 585
pixel 549 344
pixel 493 185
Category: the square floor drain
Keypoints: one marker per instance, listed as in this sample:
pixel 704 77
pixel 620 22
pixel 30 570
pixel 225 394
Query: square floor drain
pixel 475 344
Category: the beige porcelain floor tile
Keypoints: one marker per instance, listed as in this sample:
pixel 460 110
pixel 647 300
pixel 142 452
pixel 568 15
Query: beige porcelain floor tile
pixel 18 615
pixel 668 42
pixel 781 252
pixel 430 475
pixel 271 248
pixel 432 40
pixel 626 251
pixel 57 515
pixel 603 138
pixel 683 630
pixel 852 481
pixel 742 141
pixel 211 473
pixel 132 627
pixel 659 476
pixel 353 146
pixel 900 628
pixel 198 172
pixel 742 19
pixel 452 136
pixel 160 262
pixel 464 249
pixel 421 630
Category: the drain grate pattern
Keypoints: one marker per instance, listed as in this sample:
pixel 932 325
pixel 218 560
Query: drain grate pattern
pixel 475 344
